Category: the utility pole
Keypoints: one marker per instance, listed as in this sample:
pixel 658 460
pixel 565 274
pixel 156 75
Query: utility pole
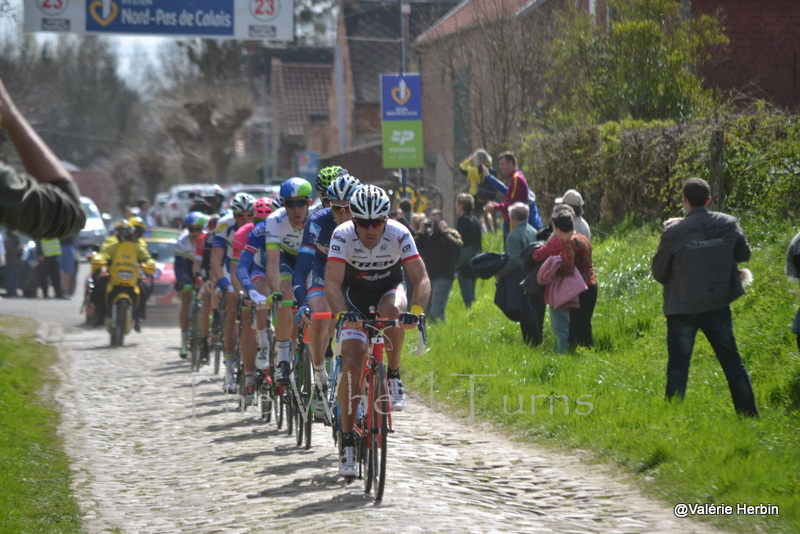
pixel 405 11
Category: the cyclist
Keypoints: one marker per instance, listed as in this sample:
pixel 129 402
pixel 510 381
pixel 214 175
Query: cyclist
pixel 211 203
pixel 284 234
pixel 250 342
pixel 242 207
pixel 309 293
pixel 251 272
pixel 202 269
pixel 325 178
pixel 194 224
pixel 365 267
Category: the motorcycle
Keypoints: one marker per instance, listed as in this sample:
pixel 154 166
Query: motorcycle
pixel 122 291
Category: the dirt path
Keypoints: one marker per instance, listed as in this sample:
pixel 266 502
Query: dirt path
pixel 154 453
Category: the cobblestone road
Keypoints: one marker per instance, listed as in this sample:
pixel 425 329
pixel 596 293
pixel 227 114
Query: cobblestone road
pixel 157 449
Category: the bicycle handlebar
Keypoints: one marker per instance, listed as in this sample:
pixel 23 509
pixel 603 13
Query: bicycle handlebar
pixel 382 324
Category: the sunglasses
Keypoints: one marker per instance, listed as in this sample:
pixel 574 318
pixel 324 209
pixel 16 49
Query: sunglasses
pixel 242 214
pixel 370 223
pixel 295 203
pixel 193 230
pixel 339 209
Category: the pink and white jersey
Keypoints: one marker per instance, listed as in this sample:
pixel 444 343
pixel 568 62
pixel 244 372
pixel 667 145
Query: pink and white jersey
pixel 240 239
pixel 377 268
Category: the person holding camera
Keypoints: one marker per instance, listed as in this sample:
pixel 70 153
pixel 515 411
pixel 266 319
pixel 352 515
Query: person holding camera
pixel 439 245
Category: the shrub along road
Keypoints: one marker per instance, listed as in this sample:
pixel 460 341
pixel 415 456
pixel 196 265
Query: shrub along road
pixel 158 449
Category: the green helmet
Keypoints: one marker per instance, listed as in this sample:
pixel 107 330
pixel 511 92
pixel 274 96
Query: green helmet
pixel 325 177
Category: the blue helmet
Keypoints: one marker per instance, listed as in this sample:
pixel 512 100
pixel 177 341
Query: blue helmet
pixel 295 187
pixel 195 218
pixel 343 187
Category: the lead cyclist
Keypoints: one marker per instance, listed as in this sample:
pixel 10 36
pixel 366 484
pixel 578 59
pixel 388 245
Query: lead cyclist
pixel 366 262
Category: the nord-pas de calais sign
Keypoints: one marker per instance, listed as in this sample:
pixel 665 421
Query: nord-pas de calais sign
pixel 271 20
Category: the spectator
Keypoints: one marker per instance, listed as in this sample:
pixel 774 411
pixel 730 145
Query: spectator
pixel 14 248
pixel 696 262
pixel 404 212
pixel 559 319
pixel 793 272
pixel 49 252
pixel 46 202
pixel 576 251
pixel 476 168
pixel 520 235
pixel 439 246
pixel 144 212
pixel 574 200
pixel 67 264
pixel 517 189
pixel 469 228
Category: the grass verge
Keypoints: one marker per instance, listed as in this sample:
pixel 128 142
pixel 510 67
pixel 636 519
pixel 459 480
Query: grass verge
pixel 35 493
pixel 609 399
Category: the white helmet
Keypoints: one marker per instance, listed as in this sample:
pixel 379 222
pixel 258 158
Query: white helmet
pixel 343 187
pixel 242 203
pixel 370 202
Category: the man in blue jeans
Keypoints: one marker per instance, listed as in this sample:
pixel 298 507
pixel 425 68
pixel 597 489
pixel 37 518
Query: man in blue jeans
pixel 696 262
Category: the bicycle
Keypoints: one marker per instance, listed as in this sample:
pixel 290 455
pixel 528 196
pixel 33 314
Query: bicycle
pixel 373 422
pixel 280 400
pixel 264 387
pixel 218 328
pixel 302 387
pixel 195 317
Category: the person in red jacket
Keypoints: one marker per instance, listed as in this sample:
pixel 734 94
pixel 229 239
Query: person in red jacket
pixel 517 189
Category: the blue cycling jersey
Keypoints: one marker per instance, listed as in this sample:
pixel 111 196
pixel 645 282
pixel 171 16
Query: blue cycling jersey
pixel 254 256
pixel 313 251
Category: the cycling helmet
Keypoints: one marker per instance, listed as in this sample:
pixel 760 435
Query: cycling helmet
pixel 214 191
pixel 295 187
pixel 195 218
pixel 325 177
pixel 343 187
pixel 137 224
pixel 242 203
pixel 263 208
pixel 370 202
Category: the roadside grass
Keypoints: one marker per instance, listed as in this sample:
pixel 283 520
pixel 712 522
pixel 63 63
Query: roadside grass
pixel 35 493
pixel 607 402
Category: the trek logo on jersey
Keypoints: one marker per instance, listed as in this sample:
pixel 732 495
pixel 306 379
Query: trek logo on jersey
pixel 373 264
pixel 337 237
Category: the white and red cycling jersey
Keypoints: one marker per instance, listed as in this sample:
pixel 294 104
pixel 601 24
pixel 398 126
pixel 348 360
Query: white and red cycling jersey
pixel 373 270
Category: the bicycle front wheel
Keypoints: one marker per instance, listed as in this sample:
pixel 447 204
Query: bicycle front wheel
pixel 377 432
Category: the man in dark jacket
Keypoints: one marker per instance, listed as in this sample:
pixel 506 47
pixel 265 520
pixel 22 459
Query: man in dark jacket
pixel 469 228
pixel 439 245
pixel 696 262
pixel 45 202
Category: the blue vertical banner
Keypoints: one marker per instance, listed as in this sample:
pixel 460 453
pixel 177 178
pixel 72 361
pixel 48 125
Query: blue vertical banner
pixel 401 121
pixel 307 165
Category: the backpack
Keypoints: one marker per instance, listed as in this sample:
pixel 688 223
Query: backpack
pixel 530 268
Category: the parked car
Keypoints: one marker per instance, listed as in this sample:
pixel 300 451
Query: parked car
pixel 257 190
pixel 94 232
pixel 161 246
pixel 180 198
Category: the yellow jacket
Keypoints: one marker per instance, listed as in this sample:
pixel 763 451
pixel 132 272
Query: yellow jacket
pixel 109 249
pixel 472 174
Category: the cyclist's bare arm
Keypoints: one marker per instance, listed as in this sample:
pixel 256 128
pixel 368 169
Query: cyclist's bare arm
pixel 217 257
pixel 422 284
pixel 274 269
pixel 334 278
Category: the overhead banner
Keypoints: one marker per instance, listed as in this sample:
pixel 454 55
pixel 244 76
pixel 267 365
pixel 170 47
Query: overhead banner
pixel 270 20
pixel 401 121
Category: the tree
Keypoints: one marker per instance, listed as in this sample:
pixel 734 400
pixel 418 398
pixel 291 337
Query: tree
pixel 642 63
